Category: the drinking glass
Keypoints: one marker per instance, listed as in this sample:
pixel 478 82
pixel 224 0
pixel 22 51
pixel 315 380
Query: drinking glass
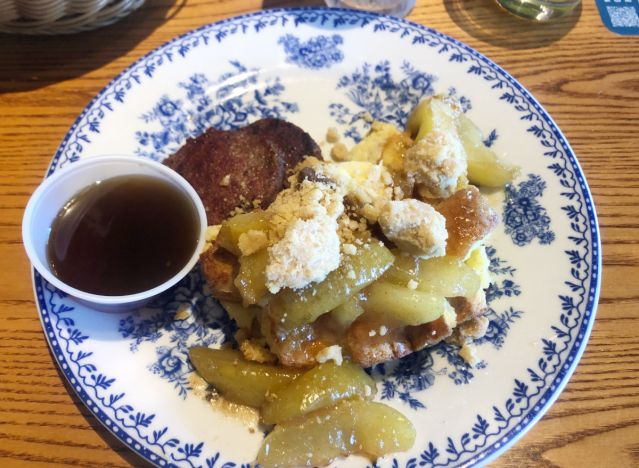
pixel 398 8
pixel 539 10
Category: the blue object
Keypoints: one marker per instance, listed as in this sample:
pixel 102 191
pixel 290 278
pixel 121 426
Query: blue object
pixel 620 16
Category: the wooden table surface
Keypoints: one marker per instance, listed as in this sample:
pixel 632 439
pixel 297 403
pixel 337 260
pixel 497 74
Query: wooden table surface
pixel 584 75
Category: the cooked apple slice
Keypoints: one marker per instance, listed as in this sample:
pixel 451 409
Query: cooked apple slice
pixel 325 385
pixel 233 228
pixel 321 436
pixel 239 380
pixel 484 167
pixel 291 308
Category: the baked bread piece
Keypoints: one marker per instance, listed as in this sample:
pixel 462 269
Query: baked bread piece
pixel 299 347
pixel 220 267
pixel 369 347
pixel 469 219
pixel 469 308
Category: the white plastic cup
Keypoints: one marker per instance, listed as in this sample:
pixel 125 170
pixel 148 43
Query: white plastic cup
pixel 58 189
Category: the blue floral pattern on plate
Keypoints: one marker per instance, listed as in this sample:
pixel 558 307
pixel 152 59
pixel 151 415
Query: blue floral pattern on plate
pixel 190 316
pixel 533 389
pixel 524 216
pixel 318 52
pixel 373 90
pixel 191 115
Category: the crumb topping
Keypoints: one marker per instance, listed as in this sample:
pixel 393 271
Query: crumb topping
pixel 309 250
pixel 349 249
pixel 436 163
pixel 210 235
pixel 469 354
pixel 366 116
pixel 372 145
pixel 332 135
pixel 414 227
pixel 252 241
pixel 332 352
pixel 339 151
pixel 212 232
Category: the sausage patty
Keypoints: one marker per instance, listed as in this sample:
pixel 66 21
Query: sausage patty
pixel 256 159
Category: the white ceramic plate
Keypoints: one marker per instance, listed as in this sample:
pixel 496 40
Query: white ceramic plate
pixel 320 68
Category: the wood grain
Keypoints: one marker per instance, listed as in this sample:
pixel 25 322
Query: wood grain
pixel 584 75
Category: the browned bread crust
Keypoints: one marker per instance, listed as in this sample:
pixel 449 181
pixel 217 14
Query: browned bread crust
pixel 470 330
pixel 299 347
pixel 431 333
pixel 469 218
pixel 220 267
pixel 469 308
pixel 367 350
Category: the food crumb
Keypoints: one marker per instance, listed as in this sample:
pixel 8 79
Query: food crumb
pixel 372 333
pixel 469 354
pixel 366 116
pixel 339 151
pixel 383 330
pixel 251 430
pixel 332 135
pixel 252 241
pixel 183 311
pixel 332 352
pixel 212 232
pixel 349 249
pixel 226 180
pixel 367 390
pixel 351 274
pixel 412 284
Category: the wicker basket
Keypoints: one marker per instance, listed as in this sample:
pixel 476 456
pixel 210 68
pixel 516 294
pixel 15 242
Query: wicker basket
pixel 61 16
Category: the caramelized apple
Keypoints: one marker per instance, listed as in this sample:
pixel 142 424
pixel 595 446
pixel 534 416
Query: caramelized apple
pixel 444 276
pixel 239 380
pixel 345 314
pixel 293 308
pixel 325 385
pixel 321 436
pixel 243 316
pixel 234 227
pixel 251 280
pixel 437 112
pixel 484 167
pixel 403 305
